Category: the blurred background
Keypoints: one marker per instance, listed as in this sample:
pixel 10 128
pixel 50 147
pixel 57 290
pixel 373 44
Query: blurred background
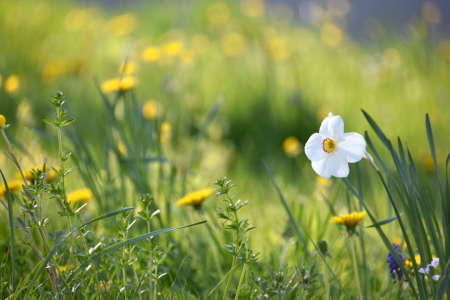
pixel 281 67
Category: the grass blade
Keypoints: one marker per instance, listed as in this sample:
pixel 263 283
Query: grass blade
pixel 123 244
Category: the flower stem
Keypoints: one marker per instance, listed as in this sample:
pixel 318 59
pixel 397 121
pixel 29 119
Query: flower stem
pixel 355 266
pixel 244 270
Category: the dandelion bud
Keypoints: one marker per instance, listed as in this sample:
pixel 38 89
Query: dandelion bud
pixel 323 247
pixel 2 121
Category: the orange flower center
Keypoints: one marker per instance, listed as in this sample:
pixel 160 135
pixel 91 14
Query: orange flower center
pixel 329 145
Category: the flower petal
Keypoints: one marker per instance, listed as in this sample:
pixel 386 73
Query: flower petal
pixel 337 165
pixel 314 147
pixel 436 277
pixel 324 126
pixel 435 262
pixel 336 128
pixel 352 147
pixel 320 167
pixel 422 270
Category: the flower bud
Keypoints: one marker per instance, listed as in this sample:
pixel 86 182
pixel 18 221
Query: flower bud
pixel 2 121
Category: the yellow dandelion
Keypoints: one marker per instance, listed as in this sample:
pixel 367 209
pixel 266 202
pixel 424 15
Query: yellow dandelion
pixel 218 13
pixel 331 35
pixel 278 49
pixel 128 68
pixel 151 54
pixel 12 84
pixel 253 8
pixel 173 48
pixel 195 198
pixel 118 84
pixel 292 146
pixel 83 195
pixel 152 109
pixel 409 264
pixel 14 186
pixel 350 221
pixel 165 133
pixel 2 121
pixel 123 24
pixel 233 44
pixel 50 174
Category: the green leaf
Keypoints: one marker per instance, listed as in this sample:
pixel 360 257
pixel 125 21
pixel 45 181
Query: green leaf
pixel 67 122
pixel 383 222
pixel 114 247
pixel 50 121
pixel 44 263
pixel 377 129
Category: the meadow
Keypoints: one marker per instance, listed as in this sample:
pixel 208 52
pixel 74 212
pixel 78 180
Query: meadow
pixel 158 152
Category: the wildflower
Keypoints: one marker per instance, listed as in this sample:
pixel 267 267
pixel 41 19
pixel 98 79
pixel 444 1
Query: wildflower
pixel 195 198
pixel 350 221
pixel 331 34
pixel 151 54
pixel 393 266
pixel 409 264
pixel 278 49
pixel 173 48
pixel 152 109
pixel 123 24
pixel 331 149
pixel 118 84
pixel 292 146
pixel 434 263
pixel 2 121
pixel 165 132
pixel 14 186
pixel 83 195
pixel 12 84
pixel 128 68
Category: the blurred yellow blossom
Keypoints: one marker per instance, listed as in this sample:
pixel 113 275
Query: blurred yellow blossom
pixel 199 44
pixel 218 13
pixel 2 121
pixel 81 19
pixel 278 49
pixel 123 24
pixel 152 109
pixel 84 194
pixel 151 54
pixel 350 221
pixel 173 48
pixel 431 12
pixel 122 148
pixel 12 84
pixel 195 198
pixel 409 264
pixel 128 68
pixel 59 67
pixel 50 175
pixel 331 35
pixel 186 57
pixel 165 133
pixel 252 8
pixel 116 84
pixel 14 186
pixel 323 182
pixel 233 44
pixel 292 146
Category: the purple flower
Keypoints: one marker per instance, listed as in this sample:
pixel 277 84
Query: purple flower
pixel 393 266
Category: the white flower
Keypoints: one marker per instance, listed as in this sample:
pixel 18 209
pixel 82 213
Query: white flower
pixel 331 149
pixel 434 264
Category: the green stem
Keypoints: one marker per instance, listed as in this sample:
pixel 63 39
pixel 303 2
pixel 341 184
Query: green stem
pixel 150 261
pixel 355 266
pixel 241 279
pixel 325 279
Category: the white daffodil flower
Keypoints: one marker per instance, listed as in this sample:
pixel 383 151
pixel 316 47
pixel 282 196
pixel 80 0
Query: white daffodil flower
pixel 331 149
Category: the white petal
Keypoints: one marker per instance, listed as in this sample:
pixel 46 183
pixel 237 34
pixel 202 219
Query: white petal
pixel 336 128
pixel 324 126
pixel 436 277
pixel 352 147
pixel 314 147
pixel 435 262
pixel 337 165
pixel 320 167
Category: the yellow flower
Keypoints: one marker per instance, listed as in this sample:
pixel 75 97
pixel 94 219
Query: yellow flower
pixel 350 221
pixel 195 198
pixel 173 48
pixel 50 175
pixel 14 186
pixel 165 132
pixel 84 195
pixel 12 84
pixel 331 34
pixel 123 24
pixel 252 8
pixel 152 109
pixel 278 49
pixel 122 148
pixel 233 44
pixel 151 54
pixel 409 264
pixel 128 68
pixel 116 84
pixel 218 13
pixel 2 121
pixel 292 146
